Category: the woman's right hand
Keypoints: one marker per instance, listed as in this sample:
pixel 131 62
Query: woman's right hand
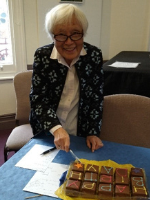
pixel 61 139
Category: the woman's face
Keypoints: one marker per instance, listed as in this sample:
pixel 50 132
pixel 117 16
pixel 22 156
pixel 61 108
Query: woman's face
pixel 69 49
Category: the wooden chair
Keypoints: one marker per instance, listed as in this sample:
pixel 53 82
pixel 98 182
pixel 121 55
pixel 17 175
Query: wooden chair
pixel 126 119
pixel 22 133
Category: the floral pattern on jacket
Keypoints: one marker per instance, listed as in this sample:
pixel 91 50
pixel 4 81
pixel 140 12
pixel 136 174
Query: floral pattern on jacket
pixel 47 85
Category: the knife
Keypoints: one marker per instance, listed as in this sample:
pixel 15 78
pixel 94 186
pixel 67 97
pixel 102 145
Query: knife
pixel 74 156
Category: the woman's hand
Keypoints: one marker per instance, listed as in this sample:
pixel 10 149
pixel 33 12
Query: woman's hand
pixel 94 142
pixel 61 139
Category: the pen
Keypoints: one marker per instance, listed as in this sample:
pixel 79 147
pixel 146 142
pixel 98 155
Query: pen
pixel 33 196
pixel 49 150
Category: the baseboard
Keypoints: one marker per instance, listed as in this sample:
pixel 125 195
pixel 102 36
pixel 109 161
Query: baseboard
pixel 104 61
pixel 7 121
pixel 29 67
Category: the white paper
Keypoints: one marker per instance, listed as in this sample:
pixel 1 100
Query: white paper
pixel 35 161
pixel 124 64
pixel 46 183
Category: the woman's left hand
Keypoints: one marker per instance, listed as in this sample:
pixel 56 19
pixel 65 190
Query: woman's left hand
pixel 94 142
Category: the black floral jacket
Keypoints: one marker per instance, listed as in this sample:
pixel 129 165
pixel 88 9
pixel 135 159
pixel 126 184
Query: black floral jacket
pixel 47 85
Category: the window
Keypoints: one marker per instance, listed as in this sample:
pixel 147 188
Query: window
pixel 12 38
pixel 5 37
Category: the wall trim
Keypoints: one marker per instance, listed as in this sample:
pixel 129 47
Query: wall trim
pixel 7 121
pixel 29 67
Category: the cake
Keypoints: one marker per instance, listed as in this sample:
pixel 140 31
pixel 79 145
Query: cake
pixel 107 170
pixel 106 179
pixel 121 172
pixel 120 180
pixel 90 182
pixel 92 168
pixel 90 176
pixel 88 187
pixel 78 167
pixel 139 191
pixel 74 175
pixel 137 172
pixel 121 175
pixel 105 190
pixel 122 191
pixel 137 181
pixel 73 187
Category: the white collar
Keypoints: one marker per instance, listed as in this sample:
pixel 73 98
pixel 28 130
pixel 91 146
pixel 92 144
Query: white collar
pixel 56 55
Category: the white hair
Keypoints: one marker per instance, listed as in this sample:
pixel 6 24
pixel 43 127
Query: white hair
pixel 63 13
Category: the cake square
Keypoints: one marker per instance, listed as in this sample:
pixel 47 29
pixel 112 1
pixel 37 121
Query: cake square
pixel 73 188
pixel 90 176
pixel 121 172
pixel 88 187
pixel 74 175
pixel 105 190
pixel 122 191
pixel 76 166
pixel 73 185
pixel 106 179
pixel 92 168
pixel 139 191
pixel 107 170
pixel 137 172
pixel 137 181
pixel 120 180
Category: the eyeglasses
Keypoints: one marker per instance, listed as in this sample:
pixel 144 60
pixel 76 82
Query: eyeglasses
pixel 73 37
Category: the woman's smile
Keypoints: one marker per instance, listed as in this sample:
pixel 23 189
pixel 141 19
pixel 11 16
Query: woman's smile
pixel 70 49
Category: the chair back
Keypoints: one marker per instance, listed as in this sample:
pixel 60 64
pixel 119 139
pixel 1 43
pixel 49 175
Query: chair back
pixel 126 119
pixel 22 85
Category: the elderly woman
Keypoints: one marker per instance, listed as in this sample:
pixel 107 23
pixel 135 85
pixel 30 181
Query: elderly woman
pixel 67 84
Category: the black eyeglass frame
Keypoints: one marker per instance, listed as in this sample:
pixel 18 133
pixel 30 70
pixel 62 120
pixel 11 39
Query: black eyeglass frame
pixel 68 36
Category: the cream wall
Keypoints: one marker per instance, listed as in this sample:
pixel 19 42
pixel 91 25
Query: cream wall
pixel 31 28
pixel 129 26
pixel 125 25
pixel 35 17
